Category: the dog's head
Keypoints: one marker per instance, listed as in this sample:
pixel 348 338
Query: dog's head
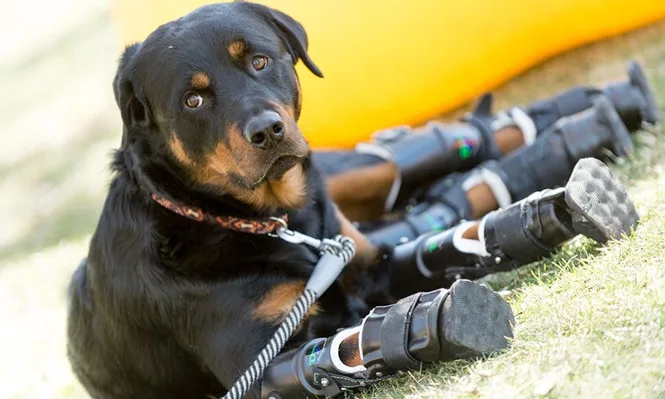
pixel 213 97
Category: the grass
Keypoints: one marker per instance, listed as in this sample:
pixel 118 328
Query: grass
pixel 591 320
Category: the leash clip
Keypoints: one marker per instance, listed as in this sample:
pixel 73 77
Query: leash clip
pixel 295 237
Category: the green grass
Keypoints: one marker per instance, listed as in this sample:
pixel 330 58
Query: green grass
pixel 590 321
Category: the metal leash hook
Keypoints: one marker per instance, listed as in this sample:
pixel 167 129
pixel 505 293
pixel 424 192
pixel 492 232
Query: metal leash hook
pixel 295 237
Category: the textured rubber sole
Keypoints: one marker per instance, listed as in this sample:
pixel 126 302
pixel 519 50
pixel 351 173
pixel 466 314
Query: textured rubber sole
pixel 602 209
pixel 476 319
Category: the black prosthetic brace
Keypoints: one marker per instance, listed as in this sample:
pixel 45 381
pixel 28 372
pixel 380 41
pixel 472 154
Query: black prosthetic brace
pixel 593 203
pixel 425 154
pixel 548 162
pixel 513 237
pixel 451 207
pixel 632 99
pixel 467 320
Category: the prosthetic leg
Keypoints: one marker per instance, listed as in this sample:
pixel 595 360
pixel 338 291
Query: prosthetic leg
pixel 593 203
pixel 466 320
pixel 416 157
pixel 548 162
pixel 423 155
pixel 632 99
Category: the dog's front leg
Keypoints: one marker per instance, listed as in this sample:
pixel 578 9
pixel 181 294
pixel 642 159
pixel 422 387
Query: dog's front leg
pixel 228 350
pixel 228 328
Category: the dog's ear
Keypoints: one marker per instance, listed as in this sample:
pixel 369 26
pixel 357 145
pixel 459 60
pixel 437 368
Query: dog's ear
pixel 292 33
pixel 133 109
pixel 296 38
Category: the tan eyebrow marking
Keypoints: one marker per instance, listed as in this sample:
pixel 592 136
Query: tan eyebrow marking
pixel 200 81
pixel 237 49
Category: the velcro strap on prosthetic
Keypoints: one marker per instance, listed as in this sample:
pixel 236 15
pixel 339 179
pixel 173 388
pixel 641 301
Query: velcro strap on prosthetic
pixel 395 334
pixel 508 237
pixel 544 164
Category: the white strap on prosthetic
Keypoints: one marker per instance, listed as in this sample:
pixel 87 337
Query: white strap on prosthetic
pixel 525 124
pixel 516 117
pixel 481 233
pixel 467 245
pixel 493 181
pixel 501 120
pixel 334 350
pixel 385 154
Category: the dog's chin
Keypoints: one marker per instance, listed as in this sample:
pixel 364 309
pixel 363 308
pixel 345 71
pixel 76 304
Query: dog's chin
pixel 279 168
pixel 284 187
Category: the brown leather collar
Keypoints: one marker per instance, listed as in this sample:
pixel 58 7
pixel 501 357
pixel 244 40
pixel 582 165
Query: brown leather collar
pixel 255 226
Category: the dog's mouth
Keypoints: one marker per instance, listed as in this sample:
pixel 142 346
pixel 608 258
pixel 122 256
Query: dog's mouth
pixel 278 168
pixel 281 166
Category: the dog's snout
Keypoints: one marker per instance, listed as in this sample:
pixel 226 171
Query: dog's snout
pixel 264 130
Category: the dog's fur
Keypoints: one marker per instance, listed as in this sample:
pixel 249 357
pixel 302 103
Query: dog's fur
pixel 168 307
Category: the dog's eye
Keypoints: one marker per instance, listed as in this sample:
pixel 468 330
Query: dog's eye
pixel 259 62
pixel 193 100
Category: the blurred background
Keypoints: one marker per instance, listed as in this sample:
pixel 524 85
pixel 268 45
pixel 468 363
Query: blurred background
pixel 60 125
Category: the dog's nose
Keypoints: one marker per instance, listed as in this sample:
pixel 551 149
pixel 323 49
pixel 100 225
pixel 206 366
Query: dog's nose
pixel 264 129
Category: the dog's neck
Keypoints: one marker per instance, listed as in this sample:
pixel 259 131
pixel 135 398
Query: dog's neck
pixel 264 225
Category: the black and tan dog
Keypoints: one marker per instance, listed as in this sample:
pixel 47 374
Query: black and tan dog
pixel 182 286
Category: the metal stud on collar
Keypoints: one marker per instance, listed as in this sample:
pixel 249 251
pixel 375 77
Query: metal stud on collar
pixel 282 222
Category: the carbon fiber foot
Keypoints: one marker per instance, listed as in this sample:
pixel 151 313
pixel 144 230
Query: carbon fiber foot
pixel 476 319
pixel 601 207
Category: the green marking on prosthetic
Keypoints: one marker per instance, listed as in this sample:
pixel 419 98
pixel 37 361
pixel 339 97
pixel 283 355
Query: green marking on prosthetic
pixel 465 152
pixel 433 224
pixel 464 148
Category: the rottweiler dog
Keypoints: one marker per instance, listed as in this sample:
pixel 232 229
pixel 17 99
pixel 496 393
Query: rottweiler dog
pixel 181 288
